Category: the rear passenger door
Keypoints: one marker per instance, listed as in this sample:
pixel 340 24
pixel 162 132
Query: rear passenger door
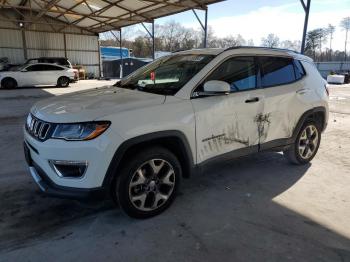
pixel 282 78
pixel 52 73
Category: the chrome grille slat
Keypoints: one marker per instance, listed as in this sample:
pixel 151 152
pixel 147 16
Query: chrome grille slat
pixel 38 129
pixel 44 130
pixel 32 124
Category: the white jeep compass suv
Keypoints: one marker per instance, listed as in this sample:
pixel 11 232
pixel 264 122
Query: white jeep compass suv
pixel 136 140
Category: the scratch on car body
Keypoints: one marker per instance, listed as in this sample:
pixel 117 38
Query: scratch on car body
pixel 263 123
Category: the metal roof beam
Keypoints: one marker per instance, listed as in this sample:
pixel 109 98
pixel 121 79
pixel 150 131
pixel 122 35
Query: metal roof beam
pixel 46 8
pixel 126 9
pixel 177 4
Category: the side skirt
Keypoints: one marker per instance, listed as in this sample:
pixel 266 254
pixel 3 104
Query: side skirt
pixel 272 146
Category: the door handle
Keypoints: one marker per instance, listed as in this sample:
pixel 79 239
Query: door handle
pixel 302 91
pixel 252 100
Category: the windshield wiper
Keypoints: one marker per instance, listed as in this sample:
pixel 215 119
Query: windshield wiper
pixel 161 91
pixel 127 86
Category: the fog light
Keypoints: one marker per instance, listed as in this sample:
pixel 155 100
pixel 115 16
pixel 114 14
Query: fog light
pixel 69 169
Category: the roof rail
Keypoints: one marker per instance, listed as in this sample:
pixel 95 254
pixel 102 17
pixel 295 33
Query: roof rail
pixel 261 47
pixel 179 50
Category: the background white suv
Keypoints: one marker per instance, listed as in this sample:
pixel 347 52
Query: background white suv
pixel 136 140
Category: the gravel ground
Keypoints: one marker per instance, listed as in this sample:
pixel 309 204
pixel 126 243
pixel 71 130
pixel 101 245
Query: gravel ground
pixel 256 208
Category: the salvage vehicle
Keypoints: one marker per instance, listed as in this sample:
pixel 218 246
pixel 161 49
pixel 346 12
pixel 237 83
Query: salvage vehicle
pixel 37 74
pixel 135 141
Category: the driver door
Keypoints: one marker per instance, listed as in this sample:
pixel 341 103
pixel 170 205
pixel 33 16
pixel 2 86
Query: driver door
pixel 229 123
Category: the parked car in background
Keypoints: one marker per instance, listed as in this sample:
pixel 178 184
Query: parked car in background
pixel 37 74
pixel 62 61
pixel 136 140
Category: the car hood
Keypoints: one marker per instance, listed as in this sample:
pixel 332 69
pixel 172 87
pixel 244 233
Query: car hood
pixel 93 104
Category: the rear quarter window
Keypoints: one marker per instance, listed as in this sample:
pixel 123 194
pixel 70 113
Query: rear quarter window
pixel 299 70
pixel 276 71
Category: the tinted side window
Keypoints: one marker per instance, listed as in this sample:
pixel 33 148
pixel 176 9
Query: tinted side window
pixel 299 69
pixel 52 68
pixel 239 72
pixel 276 71
pixel 35 68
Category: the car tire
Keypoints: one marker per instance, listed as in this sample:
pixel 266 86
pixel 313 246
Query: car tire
pixel 306 144
pixel 147 183
pixel 63 81
pixel 8 83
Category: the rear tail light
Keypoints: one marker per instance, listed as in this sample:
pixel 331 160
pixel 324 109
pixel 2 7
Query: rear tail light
pixel 326 88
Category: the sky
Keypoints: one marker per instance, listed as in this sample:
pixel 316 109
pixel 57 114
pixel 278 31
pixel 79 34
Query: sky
pixel 254 19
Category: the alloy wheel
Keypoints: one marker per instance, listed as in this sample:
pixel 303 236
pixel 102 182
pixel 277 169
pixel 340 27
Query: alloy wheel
pixel 152 185
pixel 308 142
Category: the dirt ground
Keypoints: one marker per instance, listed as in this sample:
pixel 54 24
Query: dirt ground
pixel 256 208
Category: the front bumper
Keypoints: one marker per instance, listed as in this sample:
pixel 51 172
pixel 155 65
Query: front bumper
pixel 97 152
pixel 47 186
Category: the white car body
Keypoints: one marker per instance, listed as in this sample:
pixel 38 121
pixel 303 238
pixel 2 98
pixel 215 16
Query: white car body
pixel 210 127
pixel 48 75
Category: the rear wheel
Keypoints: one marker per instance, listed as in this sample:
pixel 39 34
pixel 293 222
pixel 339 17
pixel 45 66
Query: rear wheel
pixel 148 183
pixel 306 144
pixel 9 83
pixel 63 81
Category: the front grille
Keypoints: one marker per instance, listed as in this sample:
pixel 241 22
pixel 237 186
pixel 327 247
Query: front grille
pixel 37 128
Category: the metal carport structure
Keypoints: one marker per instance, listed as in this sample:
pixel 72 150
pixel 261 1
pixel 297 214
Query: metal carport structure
pixel 90 17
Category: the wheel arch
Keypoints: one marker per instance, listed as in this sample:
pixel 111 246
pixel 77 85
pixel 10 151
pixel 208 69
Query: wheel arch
pixel 62 77
pixel 8 77
pixel 317 114
pixel 173 140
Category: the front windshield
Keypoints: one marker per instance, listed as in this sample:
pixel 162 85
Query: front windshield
pixel 166 75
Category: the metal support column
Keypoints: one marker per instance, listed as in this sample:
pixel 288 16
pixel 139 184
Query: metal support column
pixel 306 21
pixel 65 45
pixel 204 27
pixel 24 44
pixel 152 36
pixel 100 65
pixel 153 42
pixel 121 54
pixel 120 51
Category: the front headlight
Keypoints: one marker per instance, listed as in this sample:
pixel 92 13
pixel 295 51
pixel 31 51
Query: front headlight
pixel 80 131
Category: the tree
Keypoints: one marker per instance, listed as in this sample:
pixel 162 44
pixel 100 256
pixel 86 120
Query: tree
pixel 314 39
pixel 250 42
pixel 291 45
pixel 322 38
pixel 330 32
pixel 271 41
pixel 345 24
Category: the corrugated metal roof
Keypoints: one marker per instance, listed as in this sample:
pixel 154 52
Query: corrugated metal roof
pixel 102 15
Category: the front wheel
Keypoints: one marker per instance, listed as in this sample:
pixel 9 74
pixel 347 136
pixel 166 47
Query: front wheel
pixel 63 81
pixel 148 183
pixel 306 144
pixel 9 83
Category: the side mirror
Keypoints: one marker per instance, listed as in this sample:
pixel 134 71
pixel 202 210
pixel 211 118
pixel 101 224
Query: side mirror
pixel 216 86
